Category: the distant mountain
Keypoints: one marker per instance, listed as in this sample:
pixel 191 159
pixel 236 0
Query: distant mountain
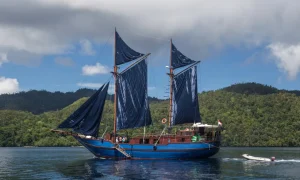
pixel 38 102
pixel 251 120
pixel 256 88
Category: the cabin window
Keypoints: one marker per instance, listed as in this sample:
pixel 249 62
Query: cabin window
pixel 182 139
pixel 146 141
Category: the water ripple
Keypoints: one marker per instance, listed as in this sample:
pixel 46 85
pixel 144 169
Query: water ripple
pixel 78 163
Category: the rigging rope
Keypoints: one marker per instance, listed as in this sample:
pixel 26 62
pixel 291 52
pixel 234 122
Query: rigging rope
pixel 160 136
pixel 104 46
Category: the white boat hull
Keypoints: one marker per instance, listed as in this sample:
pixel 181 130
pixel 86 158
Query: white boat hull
pixel 256 158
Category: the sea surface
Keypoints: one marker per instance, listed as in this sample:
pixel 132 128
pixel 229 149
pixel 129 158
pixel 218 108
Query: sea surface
pixel 78 163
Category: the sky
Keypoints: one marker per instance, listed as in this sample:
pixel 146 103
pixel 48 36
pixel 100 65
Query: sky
pixel 64 45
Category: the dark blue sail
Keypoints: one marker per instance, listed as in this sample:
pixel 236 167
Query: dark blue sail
pixel 86 119
pixel 178 59
pixel 123 52
pixel 185 105
pixel 133 107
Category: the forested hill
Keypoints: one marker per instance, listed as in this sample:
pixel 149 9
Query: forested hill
pixel 249 120
pixel 256 88
pixel 38 102
pixel 41 101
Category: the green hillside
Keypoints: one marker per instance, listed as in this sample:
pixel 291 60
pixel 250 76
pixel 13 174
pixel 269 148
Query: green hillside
pixel 256 88
pixel 248 119
pixel 38 102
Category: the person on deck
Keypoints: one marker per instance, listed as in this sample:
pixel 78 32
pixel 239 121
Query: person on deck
pixel 123 139
pixel 220 123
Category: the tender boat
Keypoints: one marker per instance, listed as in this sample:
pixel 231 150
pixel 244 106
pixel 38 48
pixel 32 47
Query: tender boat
pixel 258 158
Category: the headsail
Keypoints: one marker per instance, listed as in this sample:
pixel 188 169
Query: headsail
pixel 133 107
pixel 123 52
pixel 178 59
pixel 185 105
pixel 86 119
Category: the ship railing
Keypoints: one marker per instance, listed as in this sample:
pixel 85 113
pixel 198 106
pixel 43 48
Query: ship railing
pixel 153 134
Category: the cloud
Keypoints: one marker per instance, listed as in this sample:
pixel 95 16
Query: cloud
pixel 64 61
pixel 3 58
pixel 111 88
pixel 31 40
pixel 24 58
pixel 93 70
pixel 287 58
pixel 198 28
pixel 87 47
pixel 8 85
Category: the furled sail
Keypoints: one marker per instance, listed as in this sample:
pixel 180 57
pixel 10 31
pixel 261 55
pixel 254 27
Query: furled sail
pixel 185 105
pixel 123 52
pixel 86 119
pixel 133 107
pixel 178 59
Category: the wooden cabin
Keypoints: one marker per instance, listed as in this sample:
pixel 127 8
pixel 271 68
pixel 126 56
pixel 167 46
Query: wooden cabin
pixel 201 133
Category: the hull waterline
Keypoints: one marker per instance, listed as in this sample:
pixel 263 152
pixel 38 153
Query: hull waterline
pixel 106 149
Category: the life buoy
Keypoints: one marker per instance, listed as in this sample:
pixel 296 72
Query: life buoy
pixel 164 120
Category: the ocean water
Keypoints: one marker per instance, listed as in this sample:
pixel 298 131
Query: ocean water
pixel 78 163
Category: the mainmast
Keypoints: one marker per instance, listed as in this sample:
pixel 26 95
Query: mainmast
pixel 115 96
pixel 171 84
pixel 183 89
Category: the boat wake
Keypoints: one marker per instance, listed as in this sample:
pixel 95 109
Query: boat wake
pixel 277 160
pixel 233 159
pixel 288 160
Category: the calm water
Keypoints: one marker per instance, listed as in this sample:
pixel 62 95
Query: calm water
pixel 78 163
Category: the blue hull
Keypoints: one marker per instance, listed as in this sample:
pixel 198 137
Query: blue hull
pixel 106 149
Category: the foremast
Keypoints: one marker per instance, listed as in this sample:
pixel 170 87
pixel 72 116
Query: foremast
pixel 131 107
pixel 184 105
pixel 171 75
pixel 115 96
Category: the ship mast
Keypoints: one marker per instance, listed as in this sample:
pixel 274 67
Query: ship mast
pixel 115 96
pixel 171 84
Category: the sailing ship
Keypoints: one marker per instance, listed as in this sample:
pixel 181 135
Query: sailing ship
pixel 131 110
